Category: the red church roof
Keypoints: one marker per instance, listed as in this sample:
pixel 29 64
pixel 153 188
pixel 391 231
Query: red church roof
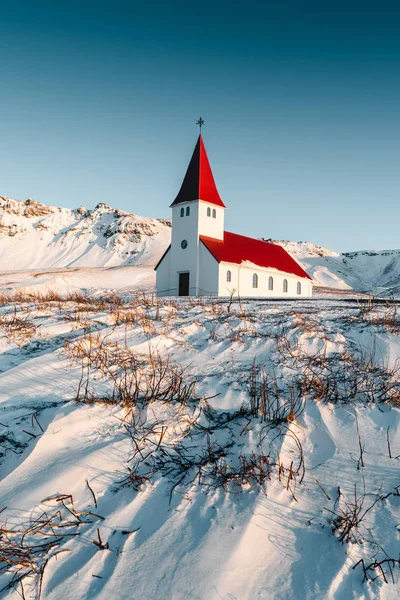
pixel 236 249
pixel 199 183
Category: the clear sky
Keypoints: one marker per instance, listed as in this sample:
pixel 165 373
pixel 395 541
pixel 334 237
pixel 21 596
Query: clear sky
pixel 98 103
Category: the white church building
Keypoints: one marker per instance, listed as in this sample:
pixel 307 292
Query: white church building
pixel 205 260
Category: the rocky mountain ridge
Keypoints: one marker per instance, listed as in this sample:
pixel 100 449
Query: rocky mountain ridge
pixel 34 235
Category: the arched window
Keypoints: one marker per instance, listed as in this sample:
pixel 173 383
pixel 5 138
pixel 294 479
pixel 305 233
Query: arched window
pixel 298 287
pixel 214 213
pixel 255 280
pixel 187 211
pixel 271 283
pixel 228 276
pixel 208 211
pixel 182 212
pixel 285 286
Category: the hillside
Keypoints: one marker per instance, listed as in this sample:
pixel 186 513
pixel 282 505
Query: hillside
pixel 363 271
pixel 188 450
pixel 181 448
pixel 35 236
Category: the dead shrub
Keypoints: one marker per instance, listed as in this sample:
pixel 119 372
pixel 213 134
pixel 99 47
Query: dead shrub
pixel 272 401
pixel 387 320
pixel 363 376
pixel 346 520
pixel 198 445
pixel 17 327
pixel 349 525
pixel 26 548
pixel 133 377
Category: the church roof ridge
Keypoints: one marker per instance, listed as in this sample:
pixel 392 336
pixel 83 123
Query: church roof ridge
pixel 237 249
pixel 198 183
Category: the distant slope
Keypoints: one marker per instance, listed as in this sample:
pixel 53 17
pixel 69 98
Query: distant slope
pixel 363 271
pixel 36 236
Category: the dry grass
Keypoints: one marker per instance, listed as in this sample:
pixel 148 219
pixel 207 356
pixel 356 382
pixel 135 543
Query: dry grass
pixel 17 327
pixel 133 378
pixel 27 548
pixel 271 401
pixel 386 320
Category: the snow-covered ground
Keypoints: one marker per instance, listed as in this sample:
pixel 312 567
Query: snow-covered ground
pixel 91 281
pixel 37 237
pixel 197 450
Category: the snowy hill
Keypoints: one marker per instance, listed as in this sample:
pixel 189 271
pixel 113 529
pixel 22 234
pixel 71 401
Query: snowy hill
pixel 186 450
pixel 167 448
pixel 363 271
pixel 34 236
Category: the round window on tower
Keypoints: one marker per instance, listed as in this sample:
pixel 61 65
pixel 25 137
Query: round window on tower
pixel 183 244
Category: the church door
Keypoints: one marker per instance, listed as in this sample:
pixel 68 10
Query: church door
pixel 184 284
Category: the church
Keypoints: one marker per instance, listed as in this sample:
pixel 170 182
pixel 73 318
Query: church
pixel 205 260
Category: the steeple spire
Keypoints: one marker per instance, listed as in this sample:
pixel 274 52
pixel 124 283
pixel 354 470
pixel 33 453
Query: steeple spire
pixel 199 183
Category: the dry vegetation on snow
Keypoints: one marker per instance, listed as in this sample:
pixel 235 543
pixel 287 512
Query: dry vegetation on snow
pixel 137 432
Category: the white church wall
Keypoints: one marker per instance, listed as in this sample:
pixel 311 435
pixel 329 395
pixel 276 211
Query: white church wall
pixel 163 276
pixel 209 272
pixel 189 227
pixel 242 282
pixel 184 259
pixel 209 225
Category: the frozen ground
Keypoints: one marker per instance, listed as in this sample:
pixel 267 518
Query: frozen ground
pixel 214 452
pixel 92 281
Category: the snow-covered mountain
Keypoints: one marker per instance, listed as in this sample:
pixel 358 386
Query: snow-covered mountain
pixel 362 271
pixel 36 236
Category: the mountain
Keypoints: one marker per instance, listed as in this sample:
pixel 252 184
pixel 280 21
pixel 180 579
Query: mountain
pixel 35 236
pixel 363 271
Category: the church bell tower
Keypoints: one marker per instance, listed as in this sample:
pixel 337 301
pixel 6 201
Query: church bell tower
pixel 196 211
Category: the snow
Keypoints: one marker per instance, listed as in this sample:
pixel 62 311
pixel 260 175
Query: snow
pixel 34 236
pixel 88 280
pixel 200 539
pixel 364 271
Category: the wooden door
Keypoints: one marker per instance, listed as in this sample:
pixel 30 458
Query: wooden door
pixel 184 284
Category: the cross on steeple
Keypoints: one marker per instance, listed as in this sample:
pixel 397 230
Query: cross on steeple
pixel 200 122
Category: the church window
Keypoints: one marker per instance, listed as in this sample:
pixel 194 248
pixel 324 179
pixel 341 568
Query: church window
pixel 182 212
pixel 298 287
pixel 285 285
pixel 255 280
pixel 187 211
pixel 229 276
pixel 208 211
pixel 214 213
pixel 271 283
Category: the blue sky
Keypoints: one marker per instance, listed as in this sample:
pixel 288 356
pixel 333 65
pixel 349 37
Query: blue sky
pixel 99 100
